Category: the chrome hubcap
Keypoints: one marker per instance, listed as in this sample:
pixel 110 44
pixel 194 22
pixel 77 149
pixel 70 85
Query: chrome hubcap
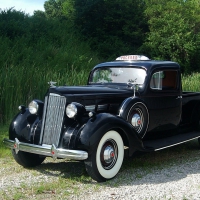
pixel 137 119
pixel 109 154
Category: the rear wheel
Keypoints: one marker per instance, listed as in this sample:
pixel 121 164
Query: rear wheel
pixel 27 159
pixel 106 158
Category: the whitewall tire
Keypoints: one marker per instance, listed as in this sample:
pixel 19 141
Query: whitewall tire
pixel 105 161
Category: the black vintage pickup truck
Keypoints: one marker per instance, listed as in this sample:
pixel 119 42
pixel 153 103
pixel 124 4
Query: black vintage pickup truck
pixel 133 103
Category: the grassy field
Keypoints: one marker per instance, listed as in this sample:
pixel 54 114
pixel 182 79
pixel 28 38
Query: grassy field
pixel 4 152
pixel 191 82
pixel 20 83
pixel 35 51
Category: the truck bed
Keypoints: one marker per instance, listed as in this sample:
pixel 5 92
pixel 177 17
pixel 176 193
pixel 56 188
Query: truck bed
pixel 190 108
pixel 190 96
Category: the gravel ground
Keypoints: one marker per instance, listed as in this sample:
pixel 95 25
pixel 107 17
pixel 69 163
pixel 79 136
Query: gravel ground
pixel 176 181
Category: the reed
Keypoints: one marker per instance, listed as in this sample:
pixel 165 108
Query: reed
pixel 26 70
pixel 191 82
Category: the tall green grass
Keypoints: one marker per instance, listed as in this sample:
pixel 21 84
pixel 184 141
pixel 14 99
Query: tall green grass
pixel 191 82
pixel 22 81
pixel 34 51
pixel 4 152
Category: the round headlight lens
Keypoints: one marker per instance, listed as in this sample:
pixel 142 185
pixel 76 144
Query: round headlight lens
pixel 71 110
pixel 33 107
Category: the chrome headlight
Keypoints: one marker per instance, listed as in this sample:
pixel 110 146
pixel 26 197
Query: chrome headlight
pixel 33 107
pixel 71 110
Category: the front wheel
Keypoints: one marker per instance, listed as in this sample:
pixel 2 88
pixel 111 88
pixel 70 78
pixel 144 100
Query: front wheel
pixel 106 158
pixel 27 159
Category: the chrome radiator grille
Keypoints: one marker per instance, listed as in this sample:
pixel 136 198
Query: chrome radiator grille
pixel 53 114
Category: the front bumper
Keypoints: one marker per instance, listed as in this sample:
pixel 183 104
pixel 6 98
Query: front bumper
pixel 46 150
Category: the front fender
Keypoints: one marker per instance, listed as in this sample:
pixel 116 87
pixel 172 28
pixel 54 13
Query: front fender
pixel 22 125
pixel 126 105
pixel 96 127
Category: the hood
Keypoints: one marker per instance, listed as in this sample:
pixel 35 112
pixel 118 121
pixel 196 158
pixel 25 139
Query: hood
pixel 88 90
pixel 94 98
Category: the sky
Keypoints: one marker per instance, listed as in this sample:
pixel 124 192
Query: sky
pixel 28 6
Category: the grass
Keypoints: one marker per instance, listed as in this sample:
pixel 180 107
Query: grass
pixel 19 85
pixel 191 82
pixel 4 152
pixel 35 51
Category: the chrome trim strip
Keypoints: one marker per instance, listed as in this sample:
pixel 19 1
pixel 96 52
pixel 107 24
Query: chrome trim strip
pixel 47 150
pixel 176 143
pixel 102 107
pixel 90 108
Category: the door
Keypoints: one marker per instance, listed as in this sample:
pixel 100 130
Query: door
pixel 163 99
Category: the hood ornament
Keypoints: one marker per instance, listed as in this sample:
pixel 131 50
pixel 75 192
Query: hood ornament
pixel 52 84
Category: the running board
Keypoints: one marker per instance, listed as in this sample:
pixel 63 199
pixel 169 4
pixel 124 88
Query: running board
pixel 162 143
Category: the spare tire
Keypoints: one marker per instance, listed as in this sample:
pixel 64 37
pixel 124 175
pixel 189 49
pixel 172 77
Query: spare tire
pixel 136 113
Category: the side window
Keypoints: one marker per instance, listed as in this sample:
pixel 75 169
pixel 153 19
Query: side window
pixel 164 80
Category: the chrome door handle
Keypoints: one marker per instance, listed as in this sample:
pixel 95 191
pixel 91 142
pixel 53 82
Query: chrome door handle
pixel 179 97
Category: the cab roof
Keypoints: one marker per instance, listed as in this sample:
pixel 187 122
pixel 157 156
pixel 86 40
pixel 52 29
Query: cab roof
pixel 145 64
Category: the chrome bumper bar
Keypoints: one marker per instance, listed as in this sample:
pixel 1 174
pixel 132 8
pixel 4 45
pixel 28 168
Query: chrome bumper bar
pixel 46 150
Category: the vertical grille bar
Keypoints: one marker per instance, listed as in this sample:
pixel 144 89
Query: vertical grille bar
pixel 53 119
pixel 43 118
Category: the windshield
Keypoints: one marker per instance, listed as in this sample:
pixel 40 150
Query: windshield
pixel 118 75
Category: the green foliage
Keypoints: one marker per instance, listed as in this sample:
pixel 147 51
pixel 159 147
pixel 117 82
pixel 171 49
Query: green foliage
pixel 68 9
pixel 54 9
pixel 116 27
pixel 12 23
pixel 174 31
pixel 102 75
pixel 39 14
pixel 191 82
pixel 112 27
pixel 166 30
pixel 4 152
pixel 46 50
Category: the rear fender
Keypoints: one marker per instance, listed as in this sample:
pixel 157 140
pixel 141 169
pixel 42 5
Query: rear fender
pixel 126 105
pixel 96 127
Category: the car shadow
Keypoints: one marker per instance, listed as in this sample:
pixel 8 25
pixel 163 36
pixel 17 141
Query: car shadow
pixel 163 166
pixel 62 168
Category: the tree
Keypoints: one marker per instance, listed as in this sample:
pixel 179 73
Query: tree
pixel 39 13
pixel 115 27
pixel 174 31
pixel 53 9
pixel 13 23
pixel 112 27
